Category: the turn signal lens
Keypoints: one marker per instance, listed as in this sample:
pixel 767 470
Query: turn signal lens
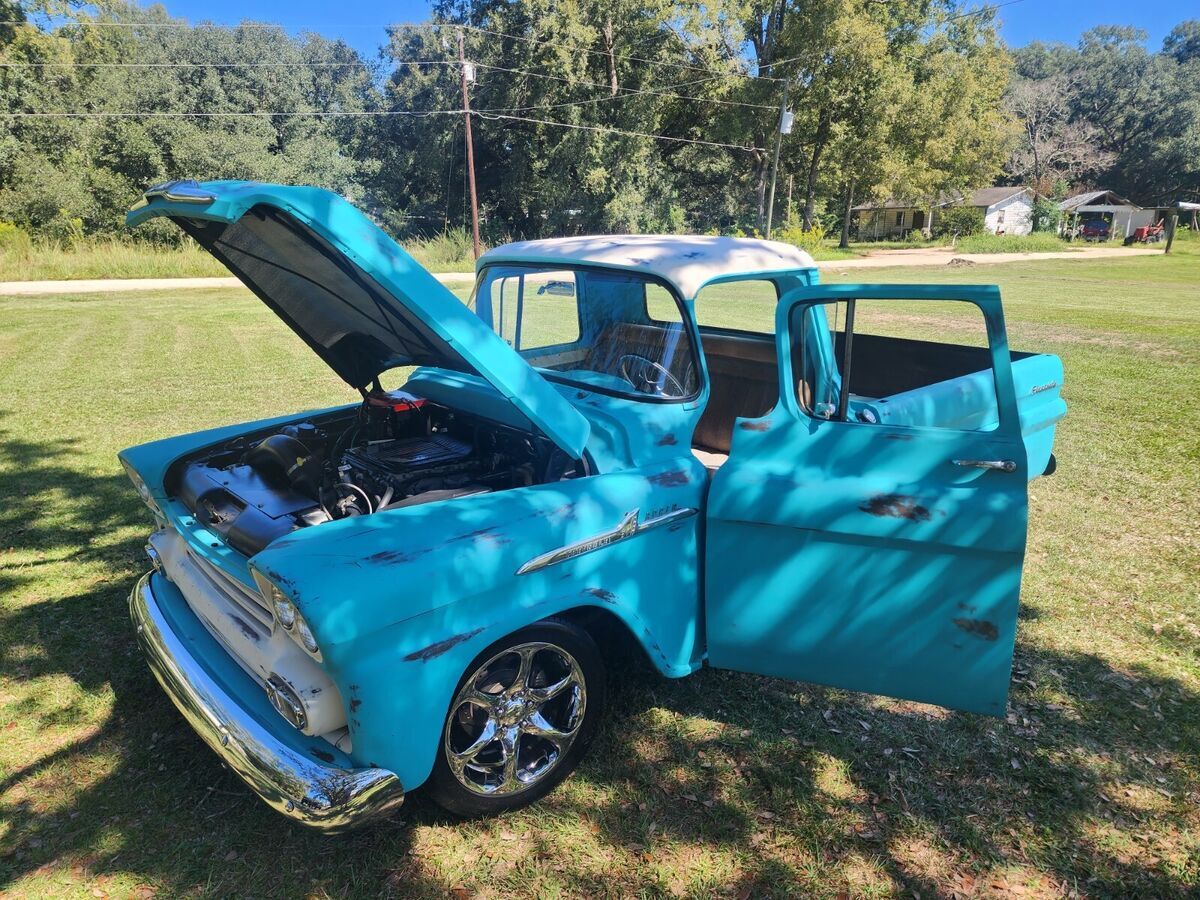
pixel 306 636
pixel 285 612
pixel 142 489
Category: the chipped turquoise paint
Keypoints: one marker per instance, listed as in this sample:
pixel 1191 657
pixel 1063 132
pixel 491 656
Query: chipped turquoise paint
pixel 863 556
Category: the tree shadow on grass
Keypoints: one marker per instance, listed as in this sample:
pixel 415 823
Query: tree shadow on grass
pixel 105 785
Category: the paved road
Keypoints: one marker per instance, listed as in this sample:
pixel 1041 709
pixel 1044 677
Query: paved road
pixel 938 256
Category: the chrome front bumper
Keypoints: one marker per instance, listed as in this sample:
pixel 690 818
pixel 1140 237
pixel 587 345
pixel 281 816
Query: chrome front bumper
pixel 323 795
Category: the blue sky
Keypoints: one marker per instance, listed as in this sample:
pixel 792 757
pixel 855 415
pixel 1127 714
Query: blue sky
pixel 361 24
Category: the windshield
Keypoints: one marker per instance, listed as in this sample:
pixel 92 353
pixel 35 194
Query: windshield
pixel 616 332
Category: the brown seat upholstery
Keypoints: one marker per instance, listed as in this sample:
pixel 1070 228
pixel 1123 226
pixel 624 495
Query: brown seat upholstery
pixel 744 384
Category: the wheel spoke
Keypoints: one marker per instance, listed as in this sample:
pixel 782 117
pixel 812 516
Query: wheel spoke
pixel 526 655
pixel 538 725
pixel 510 740
pixel 482 698
pixel 549 692
pixel 486 736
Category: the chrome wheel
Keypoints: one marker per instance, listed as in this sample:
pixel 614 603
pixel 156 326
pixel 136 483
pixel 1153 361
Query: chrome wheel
pixel 515 718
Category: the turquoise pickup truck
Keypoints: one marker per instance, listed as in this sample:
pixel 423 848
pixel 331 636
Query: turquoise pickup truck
pixel 686 444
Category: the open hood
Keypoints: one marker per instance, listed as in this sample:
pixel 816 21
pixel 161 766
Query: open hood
pixel 351 292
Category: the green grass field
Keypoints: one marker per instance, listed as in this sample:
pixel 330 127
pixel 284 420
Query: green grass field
pixel 717 785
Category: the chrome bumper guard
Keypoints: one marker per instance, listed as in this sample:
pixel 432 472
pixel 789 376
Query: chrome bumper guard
pixel 327 797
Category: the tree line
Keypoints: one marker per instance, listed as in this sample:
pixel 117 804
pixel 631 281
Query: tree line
pixel 621 115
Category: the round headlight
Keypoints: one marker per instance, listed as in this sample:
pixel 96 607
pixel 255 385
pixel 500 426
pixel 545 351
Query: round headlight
pixel 285 612
pixel 306 637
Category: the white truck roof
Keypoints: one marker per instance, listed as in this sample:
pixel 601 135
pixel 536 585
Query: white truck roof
pixel 688 262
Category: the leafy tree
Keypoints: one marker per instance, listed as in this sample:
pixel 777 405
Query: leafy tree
pixel 963 221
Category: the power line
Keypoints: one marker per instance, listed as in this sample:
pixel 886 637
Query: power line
pixel 991 7
pixel 658 137
pixel 219 65
pixel 164 114
pixel 624 56
pixel 623 90
pixel 482 114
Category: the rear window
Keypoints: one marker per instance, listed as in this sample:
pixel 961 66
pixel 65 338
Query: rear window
pixel 747 306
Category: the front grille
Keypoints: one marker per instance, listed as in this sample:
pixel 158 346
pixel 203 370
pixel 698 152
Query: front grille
pixel 249 601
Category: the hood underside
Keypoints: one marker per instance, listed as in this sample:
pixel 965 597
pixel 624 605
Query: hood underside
pixel 351 293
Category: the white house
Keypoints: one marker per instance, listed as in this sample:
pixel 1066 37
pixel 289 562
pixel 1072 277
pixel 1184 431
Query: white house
pixel 1006 210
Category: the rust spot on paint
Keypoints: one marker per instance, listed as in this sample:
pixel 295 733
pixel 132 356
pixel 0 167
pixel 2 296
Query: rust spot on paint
pixel 355 703
pixel 674 478
pixel 433 651
pixel 245 628
pixel 667 440
pixel 897 437
pixel 395 557
pixel 896 506
pixel 580 395
pixel 320 754
pixel 979 627
pixel 601 594
pixel 754 426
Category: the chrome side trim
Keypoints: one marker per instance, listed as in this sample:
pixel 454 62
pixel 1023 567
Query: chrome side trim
pixel 324 796
pixel 185 191
pixel 628 528
pixel 999 465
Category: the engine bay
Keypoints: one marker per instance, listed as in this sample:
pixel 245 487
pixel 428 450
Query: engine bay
pixel 395 450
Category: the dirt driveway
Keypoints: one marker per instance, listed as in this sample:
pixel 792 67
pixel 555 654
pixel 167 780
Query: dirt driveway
pixel 921 256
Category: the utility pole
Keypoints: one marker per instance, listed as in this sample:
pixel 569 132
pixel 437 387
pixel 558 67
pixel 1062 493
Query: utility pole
pixel 462 65
pixel 784 123
pixel 791 178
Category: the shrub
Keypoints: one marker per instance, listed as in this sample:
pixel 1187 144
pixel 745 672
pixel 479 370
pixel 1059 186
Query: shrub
pixel 961 220
pixel 809 240
pixel 1046 215
pixel 14 241
pixel 450 251
pixel 1012 243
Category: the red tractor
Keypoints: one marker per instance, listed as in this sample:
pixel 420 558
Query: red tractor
pixel 1148 234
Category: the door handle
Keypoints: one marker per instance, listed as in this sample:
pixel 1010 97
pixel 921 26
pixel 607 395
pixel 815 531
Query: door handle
pixel 1000 465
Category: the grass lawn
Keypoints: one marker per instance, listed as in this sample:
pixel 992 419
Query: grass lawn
pixel 719 784
pixel 26 260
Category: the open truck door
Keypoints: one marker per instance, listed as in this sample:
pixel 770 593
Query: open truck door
pixel 869 532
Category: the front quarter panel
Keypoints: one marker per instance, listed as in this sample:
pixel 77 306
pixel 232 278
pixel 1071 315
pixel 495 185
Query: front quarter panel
pixel 401 602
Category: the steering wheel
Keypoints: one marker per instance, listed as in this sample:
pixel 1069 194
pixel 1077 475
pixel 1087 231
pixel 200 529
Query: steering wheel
pixel 638 371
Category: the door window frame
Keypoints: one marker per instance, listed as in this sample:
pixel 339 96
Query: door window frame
pixel 985 297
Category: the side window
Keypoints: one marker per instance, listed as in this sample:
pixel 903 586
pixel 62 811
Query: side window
pixel 919 363
pixel 536 309
pixel 738 306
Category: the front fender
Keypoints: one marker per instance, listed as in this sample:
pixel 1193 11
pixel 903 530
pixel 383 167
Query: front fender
pixel 401 602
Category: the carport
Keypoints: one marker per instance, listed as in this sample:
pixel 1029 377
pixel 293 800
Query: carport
pixel 1122 215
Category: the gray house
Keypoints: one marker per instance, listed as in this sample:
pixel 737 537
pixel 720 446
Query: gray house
pixel 1006 210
